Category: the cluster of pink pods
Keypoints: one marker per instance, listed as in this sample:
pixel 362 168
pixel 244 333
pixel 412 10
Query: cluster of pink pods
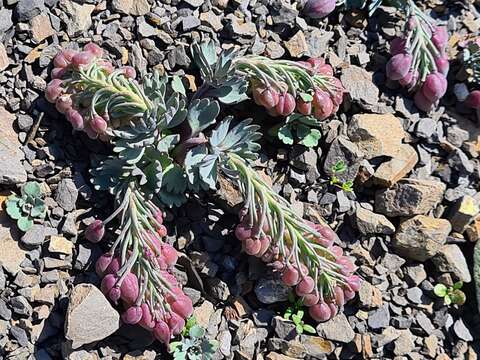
pixel 165 316
pixel 324 101
pixel 61 90
pixel 322 297
pixel 473 100
pixel 404 68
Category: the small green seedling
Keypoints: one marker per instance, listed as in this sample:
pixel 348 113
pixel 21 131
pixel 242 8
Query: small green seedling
pixel 338 168
pixel 295 313
pixel 451 294
pixel 194 346
pixel 28 207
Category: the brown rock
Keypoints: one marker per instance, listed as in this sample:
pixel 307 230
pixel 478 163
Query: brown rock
pixel 41 27
pixel 431 344
pixel 80 16
pixel 203 313
pixel 211 19
pixel 388 173
pixel 131 7
pixel 463 213
pixel 12 171
pixel 421 237
pixel 359 85
pixel 4 60
pixel 473 230
pixel 317 346
pixel 60 245
pixel 376 135
pixel 297 45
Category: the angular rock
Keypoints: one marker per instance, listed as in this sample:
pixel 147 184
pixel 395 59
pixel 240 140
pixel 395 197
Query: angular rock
pixel 359 85
pixel 463 213
pixel 451 259
pixel 270 291
pixel 409 197
pixel 473 230
pixel 462 331
pixel 388 173
pixel 316 346
pixel 36 235
pixel 203 313
pixel 79 16
pixel 297 45
pixel 347 151
pixel 41 27
pixel 336 329
pixel 12 171
pixel 60 245
pixel 376 135
pixel 421 237
pixel 27 9
pixel 131 7
pixel 90 317
pixel 67 194
pixel 4 60
pixel 368 222
pixel 380 318
pixel 404 344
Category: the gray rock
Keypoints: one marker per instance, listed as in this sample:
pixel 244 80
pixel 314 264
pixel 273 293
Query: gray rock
pixel 263 317
pixel 193 294
pixel 24 122
pixel 415 274
pixel 20 335
pixel 392 262
pixel 409 197
pixel 462 331
pixel 368 222
pixel 404 344
pixel 380 318
pixel 456 135
pixel 69 227
pixel 425 323
pixel 27 9
pixel 284 329
pixel 21 306
pixel 425 128
pixel 459 161
pixel 336 329
pixel 451 259
pixel 37 235
pixel 5 21
pixel 421 237
pixel 270 291
pixel 343 149
pixel 66 194
pixel 5 312
pixel 3 279
pixel 190 22
pixel 218 289
pixel 415 295
pixel 90 317
pixel 12 171
pixel 359 85
pixel 388 335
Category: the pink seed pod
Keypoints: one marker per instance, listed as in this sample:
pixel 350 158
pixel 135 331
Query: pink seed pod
pixel 285 105
pixel 106 66
pixel 114 294
pixel 337 251
pixel 440 38
pixel 159 216
pixel 171 279
pixel 271 254
pixel 162 231
pixel 82 59
pixel 333 310
pixel 269 98
pixel 94 49
pixel 315 62
pixel 290 276
pixel 320 312
pixel 327 236
pixel 182 306
pixel 347 265
pixel 422 102
pixel 410 79
pixel 310 299
pixel 176 324
pixel 325 70
pixel 243 232
pixel 108 282
pixel 398 66
pixel 60 61
pixel 76 119
pixel 161 331
pixel 170 254
pixel 252 246
pixel 114 266
pixel 57 73
pixel 95 231
pixel 132 315
pixel 339 295
pixel 63 103
pixel 129 288
pixel 103 263
pixel 473 99
pixel 176 293
pixel 317 9
pixel 53 90
pixel 98 124
pixel 339 91
pixel 434 87
pixel 92 134
pixel 348 294
pixel 305 286
pixel 397 46
pixel 322 105
pixel 442 65
pixel 129 72
pixel 265 244
pixel 162 263
pixel 303 107
pixel 146 321
pixel 354 282
pixel 68 54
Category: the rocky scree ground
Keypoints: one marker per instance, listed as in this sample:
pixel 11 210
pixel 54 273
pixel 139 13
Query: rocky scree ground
pixel 410 224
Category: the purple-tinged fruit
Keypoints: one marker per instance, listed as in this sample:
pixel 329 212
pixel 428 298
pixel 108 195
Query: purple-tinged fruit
pixel 434 87
pixel 399 66
pixel 473 99
pixel 95 231
pixel 132 315
pixel 317 9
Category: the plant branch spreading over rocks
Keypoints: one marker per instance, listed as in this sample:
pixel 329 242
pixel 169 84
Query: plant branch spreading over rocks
pixel 168 144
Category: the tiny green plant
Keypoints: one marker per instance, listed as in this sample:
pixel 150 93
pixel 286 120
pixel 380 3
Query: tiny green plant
pixel 451 294
pixel 194 345
pixel 27 207
pixel 295 313
pixel 338 168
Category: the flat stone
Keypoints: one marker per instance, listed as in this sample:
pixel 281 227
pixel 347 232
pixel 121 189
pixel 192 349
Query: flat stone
pixel 242 28
pixel 431 345
pixel 404 344
pixel 388 335
pixel 11 255
pixel 90 317
pixel 463 213
pixel 36 235
pixel 336 329
pixel 66 194
pixel 380 318
pixel 415 274
pixel 4 60
pixel 27 9
pixel 359 85
pixel 12 171
pixel 368 222
pixel 60 245
pixel 131 7
pixel 409 197
pixel 297 45
pixel 376 135
pixel 316 346
pixel 270 291
pixel 450 259
pixel 203 313
pixel 41 28
pixel 344 150
pixel 462 331
pixel 421 237
pixel 79 16
pixel 211 19
pixel 389 172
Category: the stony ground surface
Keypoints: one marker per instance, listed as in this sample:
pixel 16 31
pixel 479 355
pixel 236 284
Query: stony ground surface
pixel 410 223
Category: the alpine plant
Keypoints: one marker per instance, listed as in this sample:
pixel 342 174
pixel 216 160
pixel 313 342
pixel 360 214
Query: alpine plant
pixel 419 60
pixel 469 93
pixel 168 144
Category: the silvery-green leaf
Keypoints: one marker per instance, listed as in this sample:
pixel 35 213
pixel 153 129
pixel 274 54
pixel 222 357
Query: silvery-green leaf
pixel 218 135
pixel 131 156
pixel 24 224
pixel 202 114
pixel 32 189
pixel 168 142
pixel 285 135
pixel 208 170
pixel 197 331
pixel 177 85
pixel 13 210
